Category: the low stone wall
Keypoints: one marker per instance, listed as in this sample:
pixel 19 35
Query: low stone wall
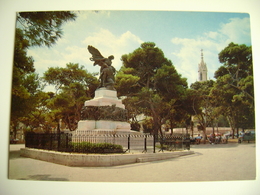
pixel 97 160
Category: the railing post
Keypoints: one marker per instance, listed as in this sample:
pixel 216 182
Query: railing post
pixel 128 143
pixel 58 141
pixel 175 143
pixel 145 144
pixel 40 141
pixel 67 142
pixel 26 140
pixel 154 141
pixel 51 141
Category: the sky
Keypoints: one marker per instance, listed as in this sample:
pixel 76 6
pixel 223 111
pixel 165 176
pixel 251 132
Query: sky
pixel 180 35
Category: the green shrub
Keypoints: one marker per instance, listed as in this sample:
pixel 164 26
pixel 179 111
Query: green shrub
pixel 87 147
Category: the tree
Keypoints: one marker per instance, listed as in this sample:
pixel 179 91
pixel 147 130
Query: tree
pixel 74 86
pixel 23 74
pixel 181 114
pixel 33 28
pixel 39 117
pixel 149 81
pixel 238 69
pixel 173 89
pixel 43 28
pixel 234 89
pixel 203 105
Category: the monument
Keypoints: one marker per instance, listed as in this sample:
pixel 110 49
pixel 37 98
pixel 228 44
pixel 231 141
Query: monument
pixel 105 112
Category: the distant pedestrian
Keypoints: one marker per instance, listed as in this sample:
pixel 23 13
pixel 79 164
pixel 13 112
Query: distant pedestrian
pixel 217 139
pixel 198 138
pixel 224 138
pixel 212 138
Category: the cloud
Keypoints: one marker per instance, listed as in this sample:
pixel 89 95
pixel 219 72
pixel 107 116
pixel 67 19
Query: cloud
pixel 45 58
pixel 212 35
pixel 187 56
pixel 76 54
pixel 237 31
pixel 104 40
pixel 109 44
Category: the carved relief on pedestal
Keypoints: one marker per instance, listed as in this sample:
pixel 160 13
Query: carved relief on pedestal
pixel 103 113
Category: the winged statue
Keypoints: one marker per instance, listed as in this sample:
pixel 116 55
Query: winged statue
pixel 107 71
pixel 97 56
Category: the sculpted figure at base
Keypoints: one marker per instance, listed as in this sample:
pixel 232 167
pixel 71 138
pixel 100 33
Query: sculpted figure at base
pixel 112 113
pixel 107 71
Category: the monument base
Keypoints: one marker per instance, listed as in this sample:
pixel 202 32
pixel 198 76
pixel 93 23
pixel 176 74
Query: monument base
pixel 104 97
pixel 104 113
pixel 103 125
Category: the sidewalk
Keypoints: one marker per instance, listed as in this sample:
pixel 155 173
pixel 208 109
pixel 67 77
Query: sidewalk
pixel 223 159
pixel 16 147
pixel 220 162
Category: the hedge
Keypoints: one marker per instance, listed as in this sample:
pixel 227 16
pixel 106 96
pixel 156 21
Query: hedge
pixel 87 147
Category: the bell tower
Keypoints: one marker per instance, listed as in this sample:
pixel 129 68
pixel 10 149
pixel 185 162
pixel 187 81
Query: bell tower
pixel 202 70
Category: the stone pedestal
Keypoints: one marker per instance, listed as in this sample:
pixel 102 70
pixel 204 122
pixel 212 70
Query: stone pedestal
pixel 104 113
pixel 104 97
pixel 104 125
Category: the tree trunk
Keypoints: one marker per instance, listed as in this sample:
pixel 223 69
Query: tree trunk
pixel 191 127
pixel 15 129
pixel 231 123
pixel 58 126
pixel 15 132
pixel 204 134
pixel 171 125
pixel 156 120
pixel 58 132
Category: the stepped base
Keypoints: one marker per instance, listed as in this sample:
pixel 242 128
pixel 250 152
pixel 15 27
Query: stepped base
pixel 104 97
pixel 103 125
pixel 104 113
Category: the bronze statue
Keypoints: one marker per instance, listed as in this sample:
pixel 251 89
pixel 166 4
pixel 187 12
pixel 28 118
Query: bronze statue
pixel 107 71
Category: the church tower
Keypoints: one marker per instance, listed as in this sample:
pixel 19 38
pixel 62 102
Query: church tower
pixel 203 71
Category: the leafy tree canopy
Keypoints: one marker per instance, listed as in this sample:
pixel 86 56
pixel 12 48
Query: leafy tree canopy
pixel 74 86
pixel 43 28
pixel 151 84
pixel 72 73
pixel 234 88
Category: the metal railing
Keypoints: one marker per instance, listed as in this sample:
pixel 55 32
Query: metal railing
pixel 129 142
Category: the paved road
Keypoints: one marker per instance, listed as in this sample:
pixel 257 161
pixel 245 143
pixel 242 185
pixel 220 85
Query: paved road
pixel 223 162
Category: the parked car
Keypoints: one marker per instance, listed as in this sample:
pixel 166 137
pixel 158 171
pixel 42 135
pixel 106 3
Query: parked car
pixel 248 136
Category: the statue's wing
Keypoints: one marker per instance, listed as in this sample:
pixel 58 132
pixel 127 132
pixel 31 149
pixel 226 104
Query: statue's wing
pixel 96 55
